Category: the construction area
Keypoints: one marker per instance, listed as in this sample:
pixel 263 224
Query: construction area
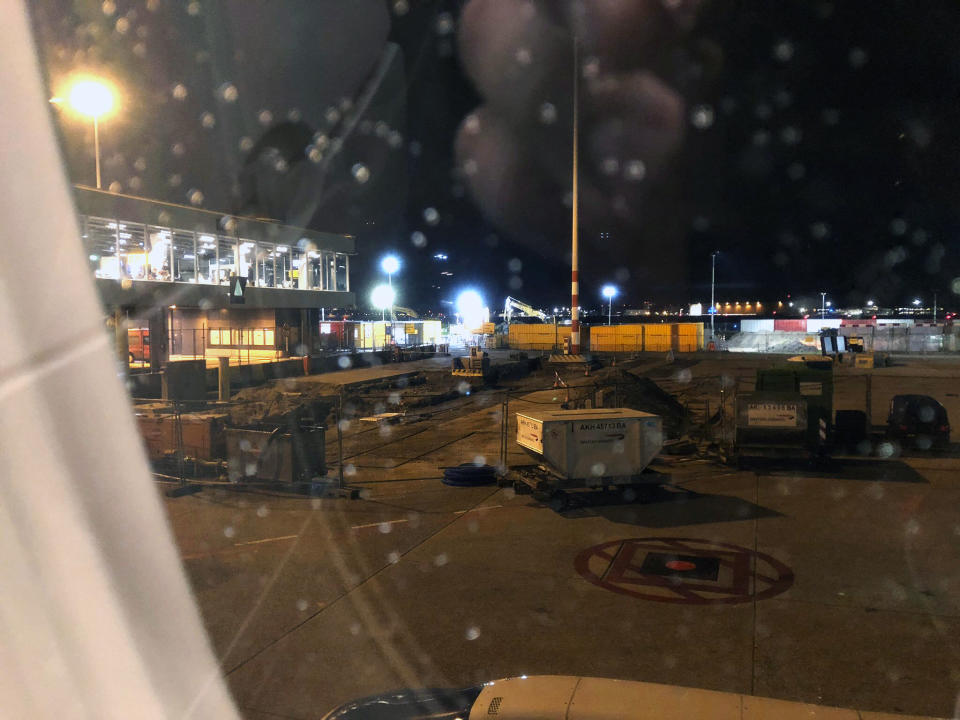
pixel 724 521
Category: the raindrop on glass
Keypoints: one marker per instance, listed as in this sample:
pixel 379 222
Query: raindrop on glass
pixel 634 170
pixel 193 8
pixel 360 173
pixel 294 115
pixel 472 633
pixel 115 187
pixel 178 149
pixel 548 113
pixel 208 120
pixel 702 117
pixel 246 144
pixel 444 23
pixel 265 117
pixel 175 180
pixel 418 239
pixel 783 51
pixel 515 282
pixel 195 197
pixel 122 26
pixel 135 183
pixel 400 7
pixel 332 116
pixel 140 164
pixel 610 166
pixel 431 215
pixel 108 7
pixel 179 91
pixel 523 56
pixel 858 57
pixel 591 68
pixel 515 265
pixel 228 92
pixel 898 226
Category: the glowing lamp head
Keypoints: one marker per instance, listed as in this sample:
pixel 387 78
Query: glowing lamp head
pixel 390 264
pixel 382 297
pixel 470 307
pixel 91 98
pixel 609 291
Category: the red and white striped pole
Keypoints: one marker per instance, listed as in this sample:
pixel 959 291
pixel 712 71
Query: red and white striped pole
pixel 574 260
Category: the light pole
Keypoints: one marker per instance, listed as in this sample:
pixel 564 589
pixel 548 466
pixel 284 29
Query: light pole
pixel 713 282
pixel 382 298
pixel 390 264
pixel 823 305
pixel 934 307
pixel 94 99
pixel 609 291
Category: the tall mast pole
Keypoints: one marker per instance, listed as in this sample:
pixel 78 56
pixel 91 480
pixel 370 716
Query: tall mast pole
pixel 574 259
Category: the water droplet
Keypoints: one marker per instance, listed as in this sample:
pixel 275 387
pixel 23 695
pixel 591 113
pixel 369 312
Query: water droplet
pixel 195 197
pixel 229 531
pixel 415 148
pixel 610 166
pixel 858 57
pixel 228 92
pixel 819 230
pixel 401 7
pixel 763 111
pixel 418 239
pixel 349 469
pixel 140 164
pixel 431 215
pixel 955 286
pixel 140 50
pixel 385 528
pixel 479 460
pixel 208 120
pixel 246 144
pixel 790 135
pixel 193 8
pixel 470 167
pixel 265 117
pixel 463 387
pixel 115 187
pixel 515 265
pixel 179 91
pixel 548 113
pixel 783 51
pixel 360 173
pixel 440 560
pixel 898 226
pixel 393 558
pixel 263 511
pixel 591 68
pixel 598 469
pixel 444 23
pixel 135 183
pixel 523 56
pixel 178 149
pixel 294 115
pixel 108 7
pixel 472 633
pixel 122 26
pixel 332 115
pixel 702 117
pixel 634 170
pixel 301 604
pixel 344 362
pixel 515 282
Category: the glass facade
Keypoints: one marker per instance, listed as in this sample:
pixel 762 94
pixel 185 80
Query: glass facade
pixel 118 250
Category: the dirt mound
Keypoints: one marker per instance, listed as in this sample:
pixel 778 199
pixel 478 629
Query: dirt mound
pixel 642 393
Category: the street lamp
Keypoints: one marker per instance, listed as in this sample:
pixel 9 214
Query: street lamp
pixel 713 282
pixel 382 298
pixel 94 99
pixel 390 264
pixel 470 307
pixel 823 305
pixel 609 291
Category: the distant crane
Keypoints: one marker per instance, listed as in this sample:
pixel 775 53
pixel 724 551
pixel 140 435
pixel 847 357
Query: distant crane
pixel 513 306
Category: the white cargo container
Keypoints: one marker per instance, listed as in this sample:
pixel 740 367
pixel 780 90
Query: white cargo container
pixel 815 325
pixel 604 446
pixel 756 325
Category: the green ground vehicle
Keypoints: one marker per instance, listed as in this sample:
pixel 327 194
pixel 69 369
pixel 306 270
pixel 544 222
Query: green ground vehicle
pixel 788 414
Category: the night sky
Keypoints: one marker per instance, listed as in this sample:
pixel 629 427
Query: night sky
pixel 814 144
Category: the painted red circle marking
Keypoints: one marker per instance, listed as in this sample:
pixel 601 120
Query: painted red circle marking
pixel 744 574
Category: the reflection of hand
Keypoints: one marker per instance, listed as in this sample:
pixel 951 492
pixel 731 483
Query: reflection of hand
pixel 515 149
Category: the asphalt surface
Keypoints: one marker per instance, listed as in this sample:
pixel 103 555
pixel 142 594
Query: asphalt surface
pixel 839 586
